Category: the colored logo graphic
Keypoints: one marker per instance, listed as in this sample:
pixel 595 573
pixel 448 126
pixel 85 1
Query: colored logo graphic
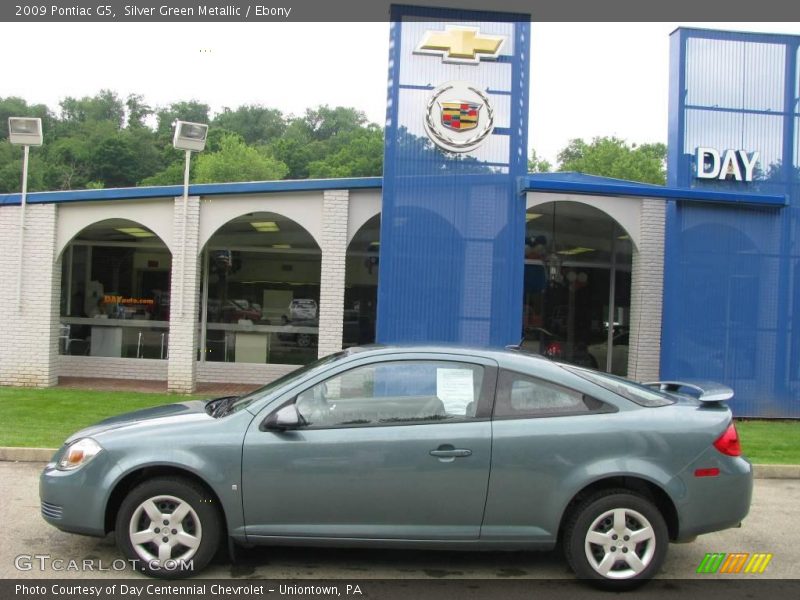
pixel 735 562
pixel 461 45
pixel 460 116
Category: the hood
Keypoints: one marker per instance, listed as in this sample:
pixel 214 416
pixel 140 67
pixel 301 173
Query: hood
pixel 175 411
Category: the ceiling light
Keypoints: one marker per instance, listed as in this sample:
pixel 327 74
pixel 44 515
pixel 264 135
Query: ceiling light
pixel 265 226
pixel 136 232
pixel 531 216
pixel 576 250
pixel 624 237
pixel 282 246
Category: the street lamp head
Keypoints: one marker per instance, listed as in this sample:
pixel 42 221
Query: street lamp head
pixel 190 136
pixel 25 131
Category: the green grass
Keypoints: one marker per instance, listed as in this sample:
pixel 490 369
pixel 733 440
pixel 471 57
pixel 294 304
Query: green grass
pixel 770 442
pixel 44 418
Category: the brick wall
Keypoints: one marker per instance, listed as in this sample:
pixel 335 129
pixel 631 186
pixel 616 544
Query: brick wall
pixel 647 292
pixel 184 297
pixel 112 368
pixel 29 346
pixel 335 205
pixel 228 372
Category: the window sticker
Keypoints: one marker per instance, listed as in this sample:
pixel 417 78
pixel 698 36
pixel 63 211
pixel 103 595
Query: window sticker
pixel 456 389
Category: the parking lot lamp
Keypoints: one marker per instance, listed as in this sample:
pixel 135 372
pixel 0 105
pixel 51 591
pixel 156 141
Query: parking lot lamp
pixel 25 132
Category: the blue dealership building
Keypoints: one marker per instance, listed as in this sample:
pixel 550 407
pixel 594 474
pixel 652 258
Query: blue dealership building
pixel 456 243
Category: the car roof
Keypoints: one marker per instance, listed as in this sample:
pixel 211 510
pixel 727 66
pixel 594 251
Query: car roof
pixel 507 357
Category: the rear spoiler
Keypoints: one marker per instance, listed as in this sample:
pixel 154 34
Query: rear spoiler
pixel 706 391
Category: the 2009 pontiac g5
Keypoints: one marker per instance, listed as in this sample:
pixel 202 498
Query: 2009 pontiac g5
pixel 435 447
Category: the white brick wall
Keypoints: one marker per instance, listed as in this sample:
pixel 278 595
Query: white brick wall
pixel 335 205
pixel 29 346
pixel 647 292
pixel 112 368
pixel 184 301
pixel 227 372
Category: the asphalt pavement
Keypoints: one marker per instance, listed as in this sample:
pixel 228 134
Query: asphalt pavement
pixel 772 527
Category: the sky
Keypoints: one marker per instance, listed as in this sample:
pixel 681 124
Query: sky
pixel 587 79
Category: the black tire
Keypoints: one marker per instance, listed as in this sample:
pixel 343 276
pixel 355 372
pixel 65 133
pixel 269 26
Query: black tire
pixel 191 543
pixel 616 563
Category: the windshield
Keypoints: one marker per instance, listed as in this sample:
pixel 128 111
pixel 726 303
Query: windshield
pixel 246 400
pixel 635 392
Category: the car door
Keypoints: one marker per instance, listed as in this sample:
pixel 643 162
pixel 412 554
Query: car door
pixel 393 448
pixel 546 437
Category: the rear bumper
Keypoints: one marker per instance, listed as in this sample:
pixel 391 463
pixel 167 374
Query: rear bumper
pixel 718 502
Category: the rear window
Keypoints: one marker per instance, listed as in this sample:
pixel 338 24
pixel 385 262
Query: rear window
pixel 640 394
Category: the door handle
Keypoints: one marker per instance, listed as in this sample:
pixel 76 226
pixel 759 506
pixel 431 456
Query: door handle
pixel 452 453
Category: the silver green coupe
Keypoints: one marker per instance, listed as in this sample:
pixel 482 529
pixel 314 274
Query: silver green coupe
pixel 416 447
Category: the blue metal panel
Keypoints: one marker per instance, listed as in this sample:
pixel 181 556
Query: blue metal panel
pixel 452 226
pixel 732 296
pixel 582 184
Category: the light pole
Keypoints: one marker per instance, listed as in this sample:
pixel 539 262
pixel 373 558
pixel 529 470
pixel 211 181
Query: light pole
pixel 190 137
pixel 25 132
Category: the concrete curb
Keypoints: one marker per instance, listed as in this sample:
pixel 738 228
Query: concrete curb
pixel 26 454
pixel 45 454
pixel 776 471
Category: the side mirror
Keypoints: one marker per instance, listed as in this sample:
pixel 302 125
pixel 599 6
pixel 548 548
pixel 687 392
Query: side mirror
pixel 285 418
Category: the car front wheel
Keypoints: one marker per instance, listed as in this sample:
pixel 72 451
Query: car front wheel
pixel 169 527
pixel 616 540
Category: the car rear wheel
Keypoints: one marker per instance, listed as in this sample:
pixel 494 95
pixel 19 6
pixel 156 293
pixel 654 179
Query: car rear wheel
pixel 169 527
pixel 616 540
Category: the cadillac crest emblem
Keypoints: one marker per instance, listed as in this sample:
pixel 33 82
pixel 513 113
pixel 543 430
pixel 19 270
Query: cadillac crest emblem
pixel 459 117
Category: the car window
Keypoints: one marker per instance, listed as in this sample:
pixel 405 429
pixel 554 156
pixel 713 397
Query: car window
pixel 244 401
pixel 394 392
pixel 523 396
pixel 635 392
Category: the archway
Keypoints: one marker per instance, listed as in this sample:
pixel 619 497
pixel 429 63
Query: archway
pixel 361 284
pixel 577 291
pixel 115 292
pixel 260 292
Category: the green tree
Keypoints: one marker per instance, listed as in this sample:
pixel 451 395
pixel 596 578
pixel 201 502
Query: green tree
pixel 137 111
pixel 256 124
pixel 104 106
pixel 324 122
pixel 613 157
pixel 236 161
pixel 538 165
pixel 359 153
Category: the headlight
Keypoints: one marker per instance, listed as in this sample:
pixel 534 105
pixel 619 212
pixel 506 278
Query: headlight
pixel 78 453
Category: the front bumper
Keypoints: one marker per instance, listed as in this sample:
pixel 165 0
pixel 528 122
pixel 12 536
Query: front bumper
pixel 75 501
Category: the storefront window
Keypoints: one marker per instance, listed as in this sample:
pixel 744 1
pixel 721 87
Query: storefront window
pixel 361 285
pixel 261 284
pixel 577 291
pixel 115 292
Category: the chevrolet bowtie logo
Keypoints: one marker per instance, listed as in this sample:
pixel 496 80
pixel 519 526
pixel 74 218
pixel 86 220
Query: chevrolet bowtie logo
pixel 461 45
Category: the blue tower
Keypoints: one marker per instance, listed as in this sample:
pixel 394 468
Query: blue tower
pixel 453 220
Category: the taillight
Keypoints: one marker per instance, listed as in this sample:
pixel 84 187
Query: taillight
pixel 728 442
pixel 553 349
